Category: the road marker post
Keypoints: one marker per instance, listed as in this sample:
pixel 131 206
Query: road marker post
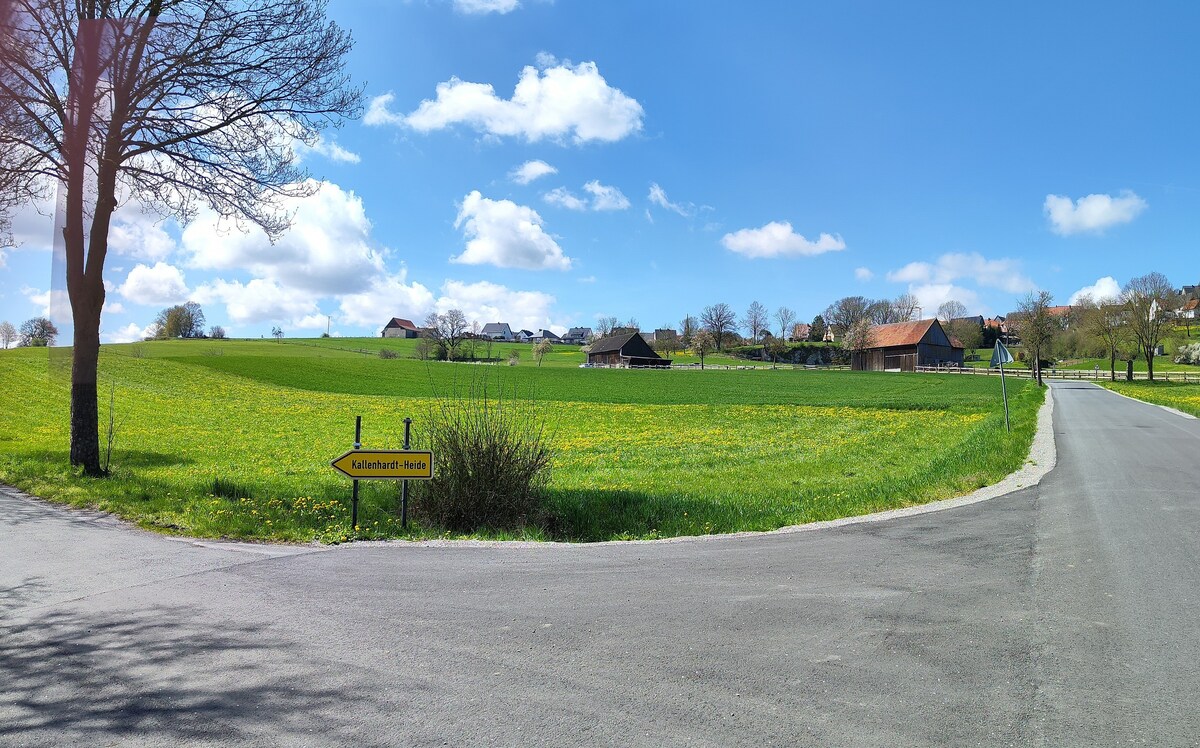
pixel 404 483
pixel 354 495
pixel 1000 357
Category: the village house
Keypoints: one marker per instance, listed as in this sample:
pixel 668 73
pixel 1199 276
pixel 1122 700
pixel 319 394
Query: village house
pixel 904 346
pixel 541 335
pixel 660 335
pixel 400 328
pixel 577 335
pixel 497 331
pixel 629 349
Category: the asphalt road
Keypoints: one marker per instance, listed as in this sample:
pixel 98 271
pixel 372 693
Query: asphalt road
pixel 1066 614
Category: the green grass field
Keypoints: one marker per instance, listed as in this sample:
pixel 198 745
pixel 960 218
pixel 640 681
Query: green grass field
pixel 1184 397
pixel 560 356
pixel 639 454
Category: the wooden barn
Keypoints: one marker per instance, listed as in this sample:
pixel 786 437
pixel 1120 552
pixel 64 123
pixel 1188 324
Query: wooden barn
pixel 904 346
pixel 400 328
pixel 630 349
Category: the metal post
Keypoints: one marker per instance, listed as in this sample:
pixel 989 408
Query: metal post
pixel 1004 389
pixel 354 500
pixel 404 483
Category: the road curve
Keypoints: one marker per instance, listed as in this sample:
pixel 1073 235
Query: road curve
pixel 1063 614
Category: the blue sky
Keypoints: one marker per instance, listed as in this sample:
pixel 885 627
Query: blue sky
pixel 693 153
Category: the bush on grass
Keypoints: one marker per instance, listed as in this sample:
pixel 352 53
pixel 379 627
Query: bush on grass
pixel 491 461
pixel 1188 354
pixel 387 353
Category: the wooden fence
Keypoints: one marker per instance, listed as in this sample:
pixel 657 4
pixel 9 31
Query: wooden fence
pixel 1064 374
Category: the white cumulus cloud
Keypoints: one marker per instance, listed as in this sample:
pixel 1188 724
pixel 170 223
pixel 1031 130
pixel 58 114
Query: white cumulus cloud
pixel 1104 288
pixel 863 274
pixel 930 296
pixel 481 7
pixel 136 232
pixel 504 234
pixel 53 303
pixel 1003 273
pixel 490 302
pixel 259 300
pixel 130 333
pixel 327 250
pixel 154 285
pixel 384 298
pixel 605 197
pixel 564 198
pixel 778 239
pixel 329 149
pixel 554 102
pixel 531 170
pixel 1091 214
pixel 379 113
pixel 658 196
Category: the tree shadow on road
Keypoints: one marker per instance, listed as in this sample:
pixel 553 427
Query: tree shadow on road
pixel 162 676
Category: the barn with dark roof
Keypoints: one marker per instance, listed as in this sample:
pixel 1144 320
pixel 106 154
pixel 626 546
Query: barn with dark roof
pixel 630 349
pixel 904 346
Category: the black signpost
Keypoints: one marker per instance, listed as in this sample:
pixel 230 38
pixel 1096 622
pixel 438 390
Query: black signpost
pixel 383 464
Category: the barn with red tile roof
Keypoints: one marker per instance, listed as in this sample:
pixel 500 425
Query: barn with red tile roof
pixel 904 346
pixel 398 327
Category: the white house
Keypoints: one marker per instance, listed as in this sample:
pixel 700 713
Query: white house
pixel 497 331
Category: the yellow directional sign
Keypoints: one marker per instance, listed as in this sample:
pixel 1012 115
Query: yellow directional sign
pixel 385 464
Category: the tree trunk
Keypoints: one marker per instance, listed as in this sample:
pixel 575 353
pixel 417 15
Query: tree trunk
pixel 85 429
pixel 1150 362
pixel 1112 363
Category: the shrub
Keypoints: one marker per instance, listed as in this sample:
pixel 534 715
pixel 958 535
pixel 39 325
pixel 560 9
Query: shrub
pixel 387 353
pixel 514 357
pixel 1188 354
pixel 491 462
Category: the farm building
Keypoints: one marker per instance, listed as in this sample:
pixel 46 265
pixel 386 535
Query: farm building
pixel 630 349
pixel 400 328
pixel 903 346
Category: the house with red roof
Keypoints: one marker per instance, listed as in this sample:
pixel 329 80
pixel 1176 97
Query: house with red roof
pixel 903 346
pixel 400 328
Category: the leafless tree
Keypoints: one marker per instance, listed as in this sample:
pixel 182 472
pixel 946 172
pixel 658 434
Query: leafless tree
pixel 447 330
pixel 1149 303
pixel 38 332
pixel 174 103
pixel 842 314
pixel 1105 319
pixel 687 328
pixel 606 325
pixel 906 306
pixel 719 319
pixel 1036 327
pixel 756 320
pixel 951 310
pixel 785 318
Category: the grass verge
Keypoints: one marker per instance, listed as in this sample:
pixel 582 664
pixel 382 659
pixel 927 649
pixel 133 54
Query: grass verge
pixel 1184 397
pixel 237 445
